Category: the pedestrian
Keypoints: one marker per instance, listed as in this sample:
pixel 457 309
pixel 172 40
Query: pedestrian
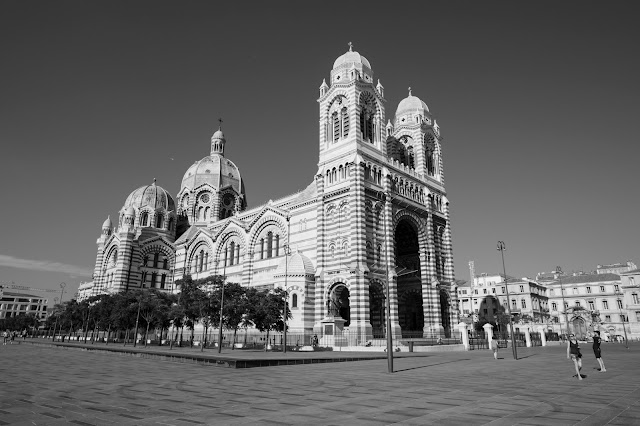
pixel 314 341
pixel 573 353
pixel 597 352
pixel 13 336
pixel 5 336
pixel 494 346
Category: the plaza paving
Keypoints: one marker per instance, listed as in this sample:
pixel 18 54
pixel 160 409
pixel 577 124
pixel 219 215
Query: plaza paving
pixel 48 385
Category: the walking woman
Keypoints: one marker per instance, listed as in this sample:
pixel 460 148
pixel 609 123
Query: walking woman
pixel 573 353
pixel 596 350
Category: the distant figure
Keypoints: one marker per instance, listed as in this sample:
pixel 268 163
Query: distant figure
pixel 573 353
pixel 314 341
pixel 494 346
pixel 5 336
pixel 13 336
pixel 596 350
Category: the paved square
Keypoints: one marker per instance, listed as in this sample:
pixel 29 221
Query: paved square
pixel 45 385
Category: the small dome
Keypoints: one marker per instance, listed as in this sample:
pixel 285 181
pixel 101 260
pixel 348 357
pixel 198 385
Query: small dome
pixel 107 223
pixel 152 196
pixel 218 134
pixel 411 104
pixel 299 265
pixel 351 57
pixel 129 211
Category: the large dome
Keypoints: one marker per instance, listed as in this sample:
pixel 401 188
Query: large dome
pixel 411 104
pixel 298 265
pixel 214 170
pixel 152 196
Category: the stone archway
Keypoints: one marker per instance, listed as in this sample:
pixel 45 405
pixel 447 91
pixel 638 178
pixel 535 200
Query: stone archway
pixel 445 312
pixel 579 327
pixel 377 306
pixel 339 304
pixel 409 285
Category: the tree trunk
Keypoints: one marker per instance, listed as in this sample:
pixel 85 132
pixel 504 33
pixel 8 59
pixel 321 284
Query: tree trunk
pixel 146 335
pixel 108 333
pixel 235 333
pixel 267 342
pixel 126 336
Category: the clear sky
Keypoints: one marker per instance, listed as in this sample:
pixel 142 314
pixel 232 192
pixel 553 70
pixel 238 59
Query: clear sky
pixel 537 103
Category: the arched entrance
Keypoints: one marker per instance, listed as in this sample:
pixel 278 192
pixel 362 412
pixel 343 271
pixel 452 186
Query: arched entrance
pixel 407 263
pixel 339 304
pixel 410 314
pixel 377 310
pixel 579 327
pixel 445 312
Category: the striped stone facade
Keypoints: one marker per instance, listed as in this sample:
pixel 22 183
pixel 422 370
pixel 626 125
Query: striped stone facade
pixel 374 221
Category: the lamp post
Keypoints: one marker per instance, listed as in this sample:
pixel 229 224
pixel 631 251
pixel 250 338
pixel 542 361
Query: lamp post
pixel 135 337
pixel 619 294
pixel 55 324
pixel 383 197
pixel 224 277
pixel 501 248
pixel 62 286
pixel 564 305
pixel 287 252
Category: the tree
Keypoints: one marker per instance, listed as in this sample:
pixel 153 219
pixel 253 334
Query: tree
pixel 267 315
pixel 235 307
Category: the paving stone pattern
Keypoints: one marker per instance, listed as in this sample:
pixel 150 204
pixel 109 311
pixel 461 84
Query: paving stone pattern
pixel 46 385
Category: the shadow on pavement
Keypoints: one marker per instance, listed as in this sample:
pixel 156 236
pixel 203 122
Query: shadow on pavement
pixel 430 365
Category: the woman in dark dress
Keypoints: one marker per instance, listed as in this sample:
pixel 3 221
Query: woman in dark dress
pixel 596 350
pixel 573 353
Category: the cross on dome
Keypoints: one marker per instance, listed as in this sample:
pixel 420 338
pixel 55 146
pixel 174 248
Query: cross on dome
pixel 350 46
pixel 409 91
pixel 220 125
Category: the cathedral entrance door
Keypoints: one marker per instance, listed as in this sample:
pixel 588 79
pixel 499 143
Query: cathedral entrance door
pixel 407 263
pixel 339 304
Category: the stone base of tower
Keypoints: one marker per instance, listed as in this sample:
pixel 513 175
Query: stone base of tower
pixel 331 332
pixel 433 331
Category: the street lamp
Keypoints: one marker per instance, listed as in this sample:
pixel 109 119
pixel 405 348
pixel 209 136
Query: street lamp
pixel 624 328
pixel 62 286
pixel 564 305
pixel 287 252
pixel 224 277
pixel 55 302
pixel 383 197
pixel 501 248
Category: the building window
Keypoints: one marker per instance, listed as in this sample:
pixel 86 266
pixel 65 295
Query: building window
pixel 637 316
pixel 616 288
pixel 601 289
pixel 575 290
pixel 269 244
pixel 605 304
pixel 632 281
pixel 623 318
pixel 485 290
pixel 163 280
pixel 591 305
pixel 294 301
pixel 159 221
pixel 145 219
pixel 635 298
pixel 551 292
pixel 521 289
pixel 513 303
pixel 577 304
pixel 619 304
pixel 493 290
pixel 232 252
pixel 476 291
pixel 523 303
pixel 503 290
pixel 588 290
pixel 566 306
pixel 607 318
pixel 554 306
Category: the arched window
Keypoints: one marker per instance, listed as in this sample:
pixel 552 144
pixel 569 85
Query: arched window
pixel 145 219
pixel 232 252
pixel 200 214
pixel 261 248
pixel 154 277
pixel 336 126
pixel 159 221
pixel 155 259
pixel 345 122
pixel 294 301
pixel 201 261
pixel 206 261
pixel 334 176
pixel 206 213
pixel 277 253
pixel 269 244
pixel 170 227
pixel 367 112
pixel 163 280
pixel 164 263
pixel 237 253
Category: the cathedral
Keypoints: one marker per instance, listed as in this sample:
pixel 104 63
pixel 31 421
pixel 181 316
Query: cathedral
pixel 376 215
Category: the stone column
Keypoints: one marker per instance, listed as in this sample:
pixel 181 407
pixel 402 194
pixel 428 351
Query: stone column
pixel 543 337
pixel 465 336
pixel 527 335
pixel 488 330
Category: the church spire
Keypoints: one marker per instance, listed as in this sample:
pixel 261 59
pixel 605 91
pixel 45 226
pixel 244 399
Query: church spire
pixel 218 141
